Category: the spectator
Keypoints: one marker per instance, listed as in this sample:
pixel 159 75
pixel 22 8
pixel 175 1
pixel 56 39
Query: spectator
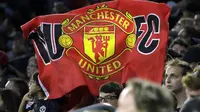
pixel 59 7
pixel 32 67
pixel 188 28
pixel 171 54
pixel 187 34
pixel 20 54
pixel 192 56
pixel 189 7
pixel 75 4
pixel 4 72
pixel 40 103
pixel 144 96
pixel 182 23
pixel 109 93
pixel 9 100
pixel 179 45
pixel 17 85
pixel 197 22
pixel 175 70
pixel 186 21
pixel 18 45
pixel 192 105
pixel 192 83
pixel 7 71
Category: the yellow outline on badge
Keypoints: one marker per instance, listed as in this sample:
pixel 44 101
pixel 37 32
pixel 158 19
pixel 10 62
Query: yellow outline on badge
pixel 101 21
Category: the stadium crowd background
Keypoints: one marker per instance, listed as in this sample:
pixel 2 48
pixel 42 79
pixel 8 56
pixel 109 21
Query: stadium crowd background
pixel 18 63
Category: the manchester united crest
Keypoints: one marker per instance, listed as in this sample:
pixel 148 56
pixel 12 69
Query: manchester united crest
pixel 99 58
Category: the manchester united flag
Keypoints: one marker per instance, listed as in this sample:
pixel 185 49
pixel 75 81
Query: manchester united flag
pixel 110 41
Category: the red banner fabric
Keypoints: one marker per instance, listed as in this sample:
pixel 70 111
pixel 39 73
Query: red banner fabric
pixel 111 41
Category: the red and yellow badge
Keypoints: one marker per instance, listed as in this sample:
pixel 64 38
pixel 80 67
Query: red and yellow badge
pixel 99 59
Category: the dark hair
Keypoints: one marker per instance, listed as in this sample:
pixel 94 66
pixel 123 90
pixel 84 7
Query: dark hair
pixel 111 87
pixel 11 100
pixel 171 54
pixel 173 34
pixel 177 62
pixel 193 54
pixel 179 41
pixel 189 32
pixel 21 85
pixel 35 78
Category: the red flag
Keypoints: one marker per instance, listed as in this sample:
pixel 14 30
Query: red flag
pixel 111 41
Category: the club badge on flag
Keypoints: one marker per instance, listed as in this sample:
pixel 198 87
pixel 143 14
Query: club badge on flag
pixel 99 40
pixel 110 41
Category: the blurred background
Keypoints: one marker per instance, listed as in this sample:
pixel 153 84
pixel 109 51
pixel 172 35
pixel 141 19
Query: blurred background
pixel 17 57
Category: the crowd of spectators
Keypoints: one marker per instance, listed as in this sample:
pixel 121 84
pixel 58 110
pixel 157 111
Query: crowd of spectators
pixel 180 92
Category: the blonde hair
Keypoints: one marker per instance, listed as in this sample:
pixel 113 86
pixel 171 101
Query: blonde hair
pixel 182 64
pixel 192 80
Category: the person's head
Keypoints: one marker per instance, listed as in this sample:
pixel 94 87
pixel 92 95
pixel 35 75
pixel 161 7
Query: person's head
pixel 17 85
pixel 32 66
pixel 179 45
pixel 9 100
pixel 192 56
pixel 197 22
pixel 171 54
pixel 186 21
pixel 144 96
pixel 174 71
pixel 183 22
pixel 18 44
pixel 192 105
pixel 186 33
pixel 34 87
pixel 59 7
pixel 192 83
pixel 109 93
